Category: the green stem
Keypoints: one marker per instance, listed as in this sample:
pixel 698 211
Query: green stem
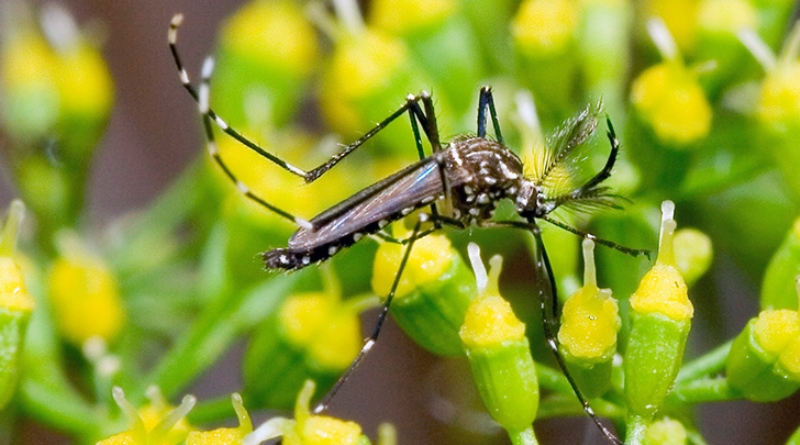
pixel 636 427
pixel 552 379
pixel 703 390
pixel 61 408
pixel 524 437
pixel 708 364
pixel 230 314
pixel 562 405
pixel 8 237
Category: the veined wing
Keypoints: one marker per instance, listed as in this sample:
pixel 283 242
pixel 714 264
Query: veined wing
pixel 386 200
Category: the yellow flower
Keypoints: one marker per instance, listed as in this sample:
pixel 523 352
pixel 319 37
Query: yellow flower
pixel 225 436
pixel 308 429
pixel 84 294
pixel 155 424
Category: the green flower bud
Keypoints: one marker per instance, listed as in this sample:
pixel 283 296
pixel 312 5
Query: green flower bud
pixel 588 333
pixel 499 355
pixel 764 361
pixel 84 293
pixel 778 106
pixel 718 22
pixel 155 423
pixel 660 318
pixel 440 38
pixel 605 61
pixel 313 335
pixel 366 70
pixel 693 254
pixel 57 97
pixel 16 306
pixel 267 52
pixel 667 97
pixel 433 294
pixel 308 429
pixel 544 32
pixel 225 436
pixel 666 431
pixel 777 289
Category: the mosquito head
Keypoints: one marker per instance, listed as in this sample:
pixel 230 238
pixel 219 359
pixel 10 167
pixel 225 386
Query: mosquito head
pixel 530 201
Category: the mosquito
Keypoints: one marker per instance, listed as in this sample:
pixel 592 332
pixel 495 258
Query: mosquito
pixel 460 182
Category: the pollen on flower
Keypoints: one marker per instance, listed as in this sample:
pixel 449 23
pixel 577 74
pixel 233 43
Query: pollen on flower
pixel 325 430
pixel 490 321
pixel 663 290
pixel 225 436
pixel 775 330
pixel 590 324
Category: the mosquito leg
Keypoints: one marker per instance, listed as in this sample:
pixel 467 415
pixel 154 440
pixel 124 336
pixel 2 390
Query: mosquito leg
pixel 604 242
pixel 187 84
pixel 605 173
pixel 546 289
pixel 370 341
pixel 213 150
pixel 487 101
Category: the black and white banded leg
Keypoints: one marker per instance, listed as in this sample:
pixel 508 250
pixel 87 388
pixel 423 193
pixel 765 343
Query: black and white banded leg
pixel 426 119
pixel 384 311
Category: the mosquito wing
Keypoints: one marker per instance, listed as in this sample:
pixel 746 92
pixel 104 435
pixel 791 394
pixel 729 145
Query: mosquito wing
pixel 372 208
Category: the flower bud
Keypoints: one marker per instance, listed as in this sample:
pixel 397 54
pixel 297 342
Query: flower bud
pixel 660 319
pixel 308 429
pixel 157 423
pixel 84 293
pixel 544 32
pixel 366 70
pixel 666 431
pixel 778 106
pixel 778 288
pixel 313 335
pixel 588 333
pixel 499 354
pixel 693 254
pixel 225 436
pixel 764 361
pixel 667 97
pixel 267 52
pixel 433 293
pixel 441 41
pixel 16 305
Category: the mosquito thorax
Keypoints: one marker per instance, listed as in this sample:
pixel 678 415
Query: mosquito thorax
pixel 479 173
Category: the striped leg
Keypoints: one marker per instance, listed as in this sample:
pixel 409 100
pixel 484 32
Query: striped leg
pixel 548 296
pixel 373 338
pixel 426 119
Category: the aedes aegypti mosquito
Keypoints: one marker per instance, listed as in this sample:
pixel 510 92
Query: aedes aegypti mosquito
pixel 460 182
